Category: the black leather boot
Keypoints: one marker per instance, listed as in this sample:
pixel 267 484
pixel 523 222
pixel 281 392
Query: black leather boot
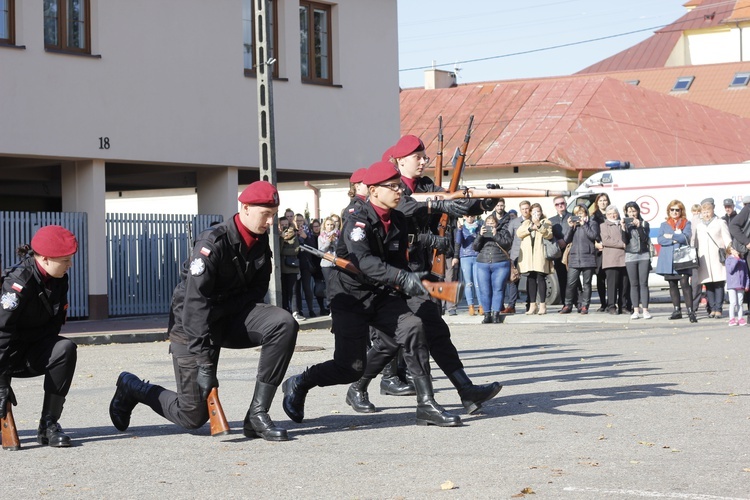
pixel 472 396
pixel 487 318
pixel 391 384
pixel 257 422
pixel 130 391
pixel 49 432
pixel 691 315
pixel 496 317
pixel 357 396
pixel 429 412
pixel 676 314
pixel 295 391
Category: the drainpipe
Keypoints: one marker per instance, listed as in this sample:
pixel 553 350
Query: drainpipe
pixel 316 202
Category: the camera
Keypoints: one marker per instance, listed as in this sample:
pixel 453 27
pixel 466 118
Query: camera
pixel 575 218
pixel 627 220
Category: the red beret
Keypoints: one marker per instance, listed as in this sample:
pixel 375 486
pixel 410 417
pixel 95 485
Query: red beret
pixel 54 241
pixel 260 193
pixel 406 146
pixel 380 172
pixel 358 175
pixel 387 155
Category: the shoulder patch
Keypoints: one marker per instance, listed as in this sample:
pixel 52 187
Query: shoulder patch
pixel 205 251
pixel 359 224
pixel 17 287
pixel 357 234
pixel 9 301
pixel 197 267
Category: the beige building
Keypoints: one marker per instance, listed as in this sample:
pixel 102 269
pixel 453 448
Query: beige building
pixel 99 96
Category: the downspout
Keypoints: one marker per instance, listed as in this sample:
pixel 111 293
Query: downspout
pixel 316 199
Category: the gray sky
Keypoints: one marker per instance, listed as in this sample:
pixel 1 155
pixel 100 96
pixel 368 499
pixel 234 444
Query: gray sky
pixel 447 31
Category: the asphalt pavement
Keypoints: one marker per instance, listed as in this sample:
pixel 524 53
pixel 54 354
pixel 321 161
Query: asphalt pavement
pixel 595 406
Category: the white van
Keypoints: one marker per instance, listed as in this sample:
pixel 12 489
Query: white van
pixel 654 188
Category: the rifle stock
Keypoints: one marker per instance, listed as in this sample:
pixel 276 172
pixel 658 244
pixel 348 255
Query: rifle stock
pixel 438 260
pixel 439 159
pixel 216 417
pixel 471 193
pixel 9 431
pixel 442 291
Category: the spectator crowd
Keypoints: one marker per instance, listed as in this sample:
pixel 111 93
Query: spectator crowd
pixel 702 256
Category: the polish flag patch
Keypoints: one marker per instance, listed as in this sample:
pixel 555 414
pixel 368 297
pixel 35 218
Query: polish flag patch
pixel 17 287
pixel 360 224
pixel 205 251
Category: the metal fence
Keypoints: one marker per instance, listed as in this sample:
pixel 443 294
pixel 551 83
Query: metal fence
pixel 17 228
pixel 144 256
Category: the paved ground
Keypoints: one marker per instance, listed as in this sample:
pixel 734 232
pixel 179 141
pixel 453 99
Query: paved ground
pixel 593 407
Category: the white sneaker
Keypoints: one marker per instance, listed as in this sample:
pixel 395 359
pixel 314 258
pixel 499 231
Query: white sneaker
pixel 634 315
pixel 647 315
pixel 298 316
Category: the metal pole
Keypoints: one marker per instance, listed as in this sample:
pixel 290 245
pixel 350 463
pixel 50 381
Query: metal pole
pixel 264 61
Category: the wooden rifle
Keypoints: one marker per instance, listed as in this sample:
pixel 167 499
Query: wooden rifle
pixel 472 193
pixel 9 431
pixel 439 156
pixel 451 292
pixel 438 259
pixel 217 419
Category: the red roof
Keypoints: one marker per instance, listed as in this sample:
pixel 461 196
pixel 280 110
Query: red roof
pixel 655 50
pixel 574 123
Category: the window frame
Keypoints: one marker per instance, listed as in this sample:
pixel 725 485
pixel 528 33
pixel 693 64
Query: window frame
pixel 688 82
pixel 62 29
pixel 11 40
pixel 744 75
pixel 275 39
pixel 311 6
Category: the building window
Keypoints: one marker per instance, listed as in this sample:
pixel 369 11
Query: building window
pixel 315 42
pixel 633 82
pixel 683 83
pixel 248 36
pixel 740 80
pixel 67 25
pixel 7 22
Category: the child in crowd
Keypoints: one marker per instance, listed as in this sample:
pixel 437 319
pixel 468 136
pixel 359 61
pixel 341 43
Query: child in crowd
pixel 738 282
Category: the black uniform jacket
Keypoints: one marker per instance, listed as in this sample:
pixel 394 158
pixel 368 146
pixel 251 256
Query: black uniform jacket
pixel 354 205
pixel 378 255
pixel 29 309
pixel 219 280
pixel 422 222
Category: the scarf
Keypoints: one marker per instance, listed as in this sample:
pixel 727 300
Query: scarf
pixel 384 215
pixel 678 224
pixel 472 228
pixel 330 235
pixel 248 238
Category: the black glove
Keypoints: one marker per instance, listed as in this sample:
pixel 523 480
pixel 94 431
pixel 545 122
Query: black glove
pixel 6 395
pixel 206 378
pixel 454 208
pixel 411 283
pixel 441 243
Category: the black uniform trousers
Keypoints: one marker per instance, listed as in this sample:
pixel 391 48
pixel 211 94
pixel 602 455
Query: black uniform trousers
pixel 54 357
pixel 263 325
pixel 397 325
pixel 438 335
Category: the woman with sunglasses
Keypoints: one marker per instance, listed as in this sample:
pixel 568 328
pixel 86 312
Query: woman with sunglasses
pixel 675 232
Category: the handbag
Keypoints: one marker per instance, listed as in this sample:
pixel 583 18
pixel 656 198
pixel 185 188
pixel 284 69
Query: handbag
pixel 291 261
pixel 551 249
pixel 685 258
pixel 515 274
pixel 566 255
pixel 722 251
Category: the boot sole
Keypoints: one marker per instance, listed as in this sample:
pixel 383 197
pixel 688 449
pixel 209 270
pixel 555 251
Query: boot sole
pixel 384 392
pixel 45 442
pixel 361 410
pixel 254 435
pixel 475 406
pixel 443 424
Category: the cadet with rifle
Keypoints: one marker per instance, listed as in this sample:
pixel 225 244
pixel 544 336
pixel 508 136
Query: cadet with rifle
pixel 408 154
pixel 219 303
pixel 374 240
pixel 34 307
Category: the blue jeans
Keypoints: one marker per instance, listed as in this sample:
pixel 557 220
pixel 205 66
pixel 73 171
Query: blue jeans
pixel 469 277
pixel 492 278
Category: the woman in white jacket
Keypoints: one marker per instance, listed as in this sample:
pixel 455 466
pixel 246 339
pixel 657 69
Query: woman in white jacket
pixel 710 234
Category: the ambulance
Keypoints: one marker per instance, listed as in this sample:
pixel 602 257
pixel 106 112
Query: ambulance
pixel 654 188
